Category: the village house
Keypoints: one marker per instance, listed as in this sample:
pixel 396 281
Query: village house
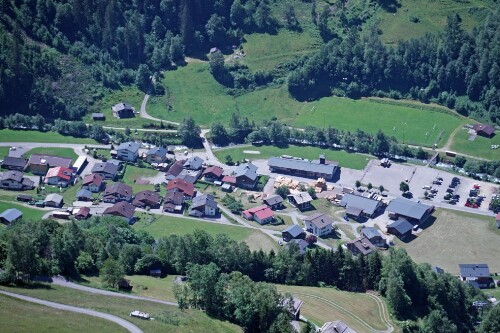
pixel 204 205
pixel 14 163
pixel 191 176
pixel 10 216
pixel 93 182
pixel 319 224
pixel 128 151
pixel 374 236
pixel 84 195
pixel 172 203
pixel 54 200
pixel 301 244
pixel 246 176
pixel 477 275
pixel 81 213
pixel 193 163
pixel 105 169
pixel 293 306
pixel 303 168
pixel 175 170
pixel 40 164
pixel 336 327
pixel 156 155
pixel 412 211
pixel 360 245
pixel 274 201
pixel 487 131
pixel 147 198
pixel 121 209
pixel 117 192
pixel 15 180
pixel 293 232
pixel 300 200
pixel 187 189
pixel 260 214
pixel 400 228
pixel 213 173
pixel 59 176
pixel 358 207
pixel 123 110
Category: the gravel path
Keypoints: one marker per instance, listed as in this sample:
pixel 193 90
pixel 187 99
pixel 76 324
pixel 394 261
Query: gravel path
pixel 122 322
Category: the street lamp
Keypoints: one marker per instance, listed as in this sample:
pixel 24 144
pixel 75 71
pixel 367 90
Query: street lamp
pixel 404 124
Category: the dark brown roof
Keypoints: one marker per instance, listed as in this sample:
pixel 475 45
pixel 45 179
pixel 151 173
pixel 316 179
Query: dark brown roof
pixel 93 178
pixel 181 185
pixel 176 168
pixel 486 129
pixel 121 208
pixel 214 170
pixel 174 197
pixel 51 161
pixel 146 198
pixel 17 162
pixel 16 176
pixel 118 188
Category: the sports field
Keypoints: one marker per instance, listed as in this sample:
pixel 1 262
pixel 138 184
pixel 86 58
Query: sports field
pixel 7 135
pixel 345 159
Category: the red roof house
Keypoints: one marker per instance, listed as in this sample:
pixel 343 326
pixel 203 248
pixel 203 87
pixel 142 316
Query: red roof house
pixel 213 173
pixel 59 176
pixel 182 186
pixel 93 182
pixel 261 214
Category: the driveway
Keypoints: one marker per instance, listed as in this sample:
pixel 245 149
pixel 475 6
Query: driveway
pixel 117 320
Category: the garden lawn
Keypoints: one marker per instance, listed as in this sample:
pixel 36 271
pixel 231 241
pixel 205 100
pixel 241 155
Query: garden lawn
pixel 345 159
pixel 4 152
pixel 167 318
pixel 21 316
pixel 328 304
pixel 28 212
pixel 170 225
pixel 133 174
pixel 432 15
pixel 62 152
pixel 457 237
pixel 7 135
pixel 480 147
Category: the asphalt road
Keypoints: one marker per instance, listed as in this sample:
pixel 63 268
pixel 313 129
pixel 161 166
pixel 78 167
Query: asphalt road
pixel 144 114
pixel 122 322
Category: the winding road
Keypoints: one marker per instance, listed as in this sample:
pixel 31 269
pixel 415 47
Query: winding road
pixel 117 320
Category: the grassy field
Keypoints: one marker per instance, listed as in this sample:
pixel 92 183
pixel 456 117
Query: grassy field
pixel 432 15
pixel 20 316
pixel 132 174
pixel 327 304
pixel 62 152
pixel 345 159
pixel 4 151
pixel 480 147
pixel 7 135
pixel 457 237
pixel 28 213
pixel 169 225
pixel 167 318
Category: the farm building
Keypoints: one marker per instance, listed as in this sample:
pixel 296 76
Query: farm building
pixel 301 200
pixel 274 201
pixel 477 275
pixel 319 224
pixel 400 228
pixel 293 232
pixel 98 116
pixel 10 215
pixel 361 245
pixel 358 206
pixel 484 130
pixel 303 168
pixel 122 110
pixel 410 210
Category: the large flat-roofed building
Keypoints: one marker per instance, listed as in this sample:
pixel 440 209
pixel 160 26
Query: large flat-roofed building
pixel 315 169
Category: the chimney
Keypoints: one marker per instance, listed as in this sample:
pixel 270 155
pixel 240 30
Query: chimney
pixel 322 159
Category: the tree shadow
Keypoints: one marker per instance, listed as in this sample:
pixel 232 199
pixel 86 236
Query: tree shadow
pixel 390 6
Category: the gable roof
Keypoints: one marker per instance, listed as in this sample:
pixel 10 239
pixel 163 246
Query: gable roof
pixel 193 163
pixel 13 175
pixel 148 196
pixel 370 232
pixel 131 146
pixel 54 197
pixel 105 167
pixel 217 171
pixel 118 188
pixel 84 194
pixel 49 160
pixel 369 206
pixel 17 162
pixel 174 197
pixel 409 208
pixel 486 129
pixel 336 327
pixel 402 226
pixel 362 244
pixel 121 106
pixel 158 151
pixel 301 197
pixel 302 165
pixel 474 270
pixel 60 172
pixel 82 212
pixel 11 214
pixel 181 185
pixel 121 208
pixel 264 213
pixel 320 220
pixel 204 200
pixel 94 178
pixel 175 169
pixel 247 169
pixel 294 230
pixel 273 200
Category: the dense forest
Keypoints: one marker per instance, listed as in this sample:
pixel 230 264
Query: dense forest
pixel 112 248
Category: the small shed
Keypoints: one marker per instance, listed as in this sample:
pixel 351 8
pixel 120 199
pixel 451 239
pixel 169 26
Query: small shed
pixel 227 187
pixel 98 116
pixel 10 215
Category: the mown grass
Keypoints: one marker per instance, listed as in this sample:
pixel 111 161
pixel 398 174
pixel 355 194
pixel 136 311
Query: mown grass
pixel 170 225
pixel 168 318
pixel 480 147
pixel 53 151
pixel 457 238
pixel 21 316
pixel 432 15
pixel 132 174
pixel 318 306
pixel 345 159
pixel 7 135
pixel 28 213
pixel 4 151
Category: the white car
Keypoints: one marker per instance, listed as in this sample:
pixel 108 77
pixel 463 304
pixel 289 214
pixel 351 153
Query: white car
pixel 426 187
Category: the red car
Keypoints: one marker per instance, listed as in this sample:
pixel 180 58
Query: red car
pixel 477 186
pixel 468 204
